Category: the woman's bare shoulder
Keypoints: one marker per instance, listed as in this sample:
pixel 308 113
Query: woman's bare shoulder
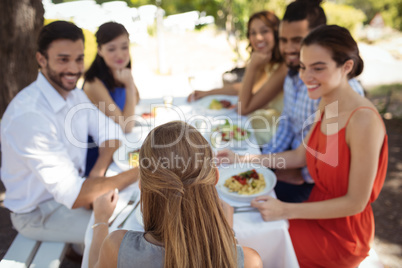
pixel 251 258
pixel 90 86
pixel 365 122
pixel 108 256
pixel 115 238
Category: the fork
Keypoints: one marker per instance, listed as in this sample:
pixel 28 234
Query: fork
pixel 238 148
pixel 128 216
pixel 244 209
pixel 130 203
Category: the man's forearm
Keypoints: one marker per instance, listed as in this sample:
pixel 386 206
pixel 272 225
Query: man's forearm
pixel 94 187
pixel 105 157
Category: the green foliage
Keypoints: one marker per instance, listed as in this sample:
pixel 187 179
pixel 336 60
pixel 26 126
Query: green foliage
pixel 243 9
pixel 391 10
pixel 219 9
pixel 90 45
pixel 211 7
pixel 385 89
pixel 344 15
pixel 61 1
pixel 137 3
pixel 151 29
pixel 277 6
pixel 99 2
pixel 393 14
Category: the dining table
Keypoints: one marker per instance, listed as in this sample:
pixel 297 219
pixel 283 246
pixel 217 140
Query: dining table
pixel 270 239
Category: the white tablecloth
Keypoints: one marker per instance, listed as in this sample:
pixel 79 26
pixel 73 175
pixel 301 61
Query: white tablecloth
pixel 270 239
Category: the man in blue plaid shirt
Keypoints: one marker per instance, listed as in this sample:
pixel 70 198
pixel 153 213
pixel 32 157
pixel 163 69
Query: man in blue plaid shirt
pixel 294 185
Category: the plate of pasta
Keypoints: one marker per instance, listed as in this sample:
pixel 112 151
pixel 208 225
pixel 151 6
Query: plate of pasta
pixel 241 182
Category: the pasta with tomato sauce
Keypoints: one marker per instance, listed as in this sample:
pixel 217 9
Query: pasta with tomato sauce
pixel 246 183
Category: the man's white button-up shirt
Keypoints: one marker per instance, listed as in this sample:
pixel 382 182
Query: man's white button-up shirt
pixel 44 145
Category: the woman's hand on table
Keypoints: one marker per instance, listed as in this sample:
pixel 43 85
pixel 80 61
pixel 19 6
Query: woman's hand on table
pixel 104 205
pixel 196 95
pixel 226 156
pixel 271 209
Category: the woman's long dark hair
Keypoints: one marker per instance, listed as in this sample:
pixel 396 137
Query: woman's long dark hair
pixel 106 33
pixel 340 42
pixel 272 22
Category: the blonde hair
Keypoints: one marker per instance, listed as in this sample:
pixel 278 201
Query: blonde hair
pixel 180 204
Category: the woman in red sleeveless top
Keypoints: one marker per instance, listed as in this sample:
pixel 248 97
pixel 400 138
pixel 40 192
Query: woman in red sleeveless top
pixel 346 153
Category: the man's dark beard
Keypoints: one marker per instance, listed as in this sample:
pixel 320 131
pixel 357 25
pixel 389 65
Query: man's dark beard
pixel 56 78
pixel 293 70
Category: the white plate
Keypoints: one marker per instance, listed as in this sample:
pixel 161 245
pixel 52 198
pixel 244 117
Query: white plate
pixel 234 169
pixel 132 141
pixel 206 101
pixel 138 216
pixel 217 141
pixel 120 157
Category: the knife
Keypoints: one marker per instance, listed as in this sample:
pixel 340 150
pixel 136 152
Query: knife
pixel 133 198
pixel 120 226
pixel 244 209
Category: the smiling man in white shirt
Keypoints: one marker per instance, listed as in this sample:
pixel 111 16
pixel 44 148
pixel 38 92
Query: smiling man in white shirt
pixel 44 134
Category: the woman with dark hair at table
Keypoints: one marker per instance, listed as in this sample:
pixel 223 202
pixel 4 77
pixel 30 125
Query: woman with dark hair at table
pixel 346 153
pixel 262 84
pixel 109 83
pixel 184 221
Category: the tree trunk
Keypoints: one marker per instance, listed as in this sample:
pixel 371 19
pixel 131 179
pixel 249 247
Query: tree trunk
pixel 20 23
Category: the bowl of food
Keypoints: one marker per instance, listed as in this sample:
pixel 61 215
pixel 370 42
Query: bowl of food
pixel 126 158
pixel 224 133
pixel 244 182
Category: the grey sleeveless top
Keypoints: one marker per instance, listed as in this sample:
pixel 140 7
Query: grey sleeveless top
pixel 136 251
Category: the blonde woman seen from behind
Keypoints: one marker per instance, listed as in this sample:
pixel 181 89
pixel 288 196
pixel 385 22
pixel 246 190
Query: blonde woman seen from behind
pixel 184 221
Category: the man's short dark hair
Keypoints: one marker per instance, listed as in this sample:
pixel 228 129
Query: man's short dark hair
pixel 309 10
pixel 55 31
